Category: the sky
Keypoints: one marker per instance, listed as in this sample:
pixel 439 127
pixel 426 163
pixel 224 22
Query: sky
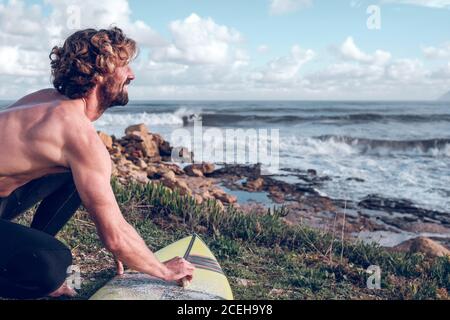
pixel 245 50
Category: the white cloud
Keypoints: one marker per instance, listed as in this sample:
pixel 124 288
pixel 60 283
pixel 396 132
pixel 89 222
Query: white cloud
pixel 424 3
pixel 360 75
pixel 203 57
pixel 440 52
pixel 199 40
pixel 349 50
pixel 100 14
pixel 442 73
pixel 15 11
pixel 19 62
pixel 27 36
pixel 407 70
pixel 284 69
pixel 287 6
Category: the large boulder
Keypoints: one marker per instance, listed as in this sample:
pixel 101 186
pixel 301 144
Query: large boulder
pixel 140 128
pixel 152 145
pixel 140 144
pixel 424 245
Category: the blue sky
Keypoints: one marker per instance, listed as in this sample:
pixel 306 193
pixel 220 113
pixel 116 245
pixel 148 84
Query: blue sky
pixel 279 49
pixel 404 27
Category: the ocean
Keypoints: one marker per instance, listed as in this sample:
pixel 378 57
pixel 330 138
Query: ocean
pixel 393 149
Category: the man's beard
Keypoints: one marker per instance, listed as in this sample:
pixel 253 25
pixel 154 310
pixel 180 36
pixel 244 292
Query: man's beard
pixel 113 94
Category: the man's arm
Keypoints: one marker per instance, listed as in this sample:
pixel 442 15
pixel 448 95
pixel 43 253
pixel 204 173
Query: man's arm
pixel 91 168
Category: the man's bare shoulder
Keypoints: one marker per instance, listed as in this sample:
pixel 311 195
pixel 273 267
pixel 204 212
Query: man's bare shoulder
pixel 42 96
pixel 81 133
pixel 82 143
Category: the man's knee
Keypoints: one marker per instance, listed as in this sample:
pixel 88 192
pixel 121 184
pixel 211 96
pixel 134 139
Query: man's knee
pixel 38 273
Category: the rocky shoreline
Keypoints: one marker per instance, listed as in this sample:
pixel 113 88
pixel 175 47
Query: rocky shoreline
pixel 146 157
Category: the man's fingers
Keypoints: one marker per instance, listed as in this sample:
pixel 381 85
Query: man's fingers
pixel 119 267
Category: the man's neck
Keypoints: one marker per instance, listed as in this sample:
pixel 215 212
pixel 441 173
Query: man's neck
pixel 92 108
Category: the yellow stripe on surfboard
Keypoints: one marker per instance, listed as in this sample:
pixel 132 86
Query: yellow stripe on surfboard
pixel 205 279
pixel 208 281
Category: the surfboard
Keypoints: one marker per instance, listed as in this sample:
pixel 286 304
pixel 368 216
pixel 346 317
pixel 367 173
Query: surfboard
pixel 209 281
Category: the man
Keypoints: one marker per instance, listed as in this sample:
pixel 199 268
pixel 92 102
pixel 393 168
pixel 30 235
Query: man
pixel 50 151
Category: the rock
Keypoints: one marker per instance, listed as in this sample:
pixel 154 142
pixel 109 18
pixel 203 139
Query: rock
pixel 221 195
pixel 183 187
pixel 116 150
pixel 253 171
pixel 114 170
pixel 152 172
pixel 207 168
pixel 138 142
pixel 255 185
pixel 141 128
pixel 245 282
pixel 169 175
pixel 139 176
pixel 157 170
pixel 279 292
pixel 141 164
pixel 182 154
pixel 423 245
pixel 172 167
pixel 193 172
pixel 149 148
pixel 207 196
pixel 171 182
pixel 199 169
pixel 198 199
pixel 377 202
pixel 123 162
pixel 106 139
pixel 155 159
pixel 164 147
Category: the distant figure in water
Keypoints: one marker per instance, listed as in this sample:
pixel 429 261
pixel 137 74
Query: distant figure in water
pixel 52 154
pixel 189 120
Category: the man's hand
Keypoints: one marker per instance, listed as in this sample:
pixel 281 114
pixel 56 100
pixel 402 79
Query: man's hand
pixel 180 269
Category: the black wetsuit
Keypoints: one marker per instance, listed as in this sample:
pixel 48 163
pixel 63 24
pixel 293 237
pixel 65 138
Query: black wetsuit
pixel 32 262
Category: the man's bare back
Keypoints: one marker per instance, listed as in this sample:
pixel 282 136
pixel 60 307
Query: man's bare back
pixel 43 118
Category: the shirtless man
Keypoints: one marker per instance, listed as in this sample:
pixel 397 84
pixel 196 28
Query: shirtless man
pixel 50 152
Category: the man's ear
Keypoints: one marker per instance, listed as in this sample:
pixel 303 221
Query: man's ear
pixel 99 79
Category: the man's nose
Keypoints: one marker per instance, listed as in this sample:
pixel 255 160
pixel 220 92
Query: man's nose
pixel 131 75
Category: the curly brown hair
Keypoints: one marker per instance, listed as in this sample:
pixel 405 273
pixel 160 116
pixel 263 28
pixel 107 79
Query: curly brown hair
pixel 85 56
